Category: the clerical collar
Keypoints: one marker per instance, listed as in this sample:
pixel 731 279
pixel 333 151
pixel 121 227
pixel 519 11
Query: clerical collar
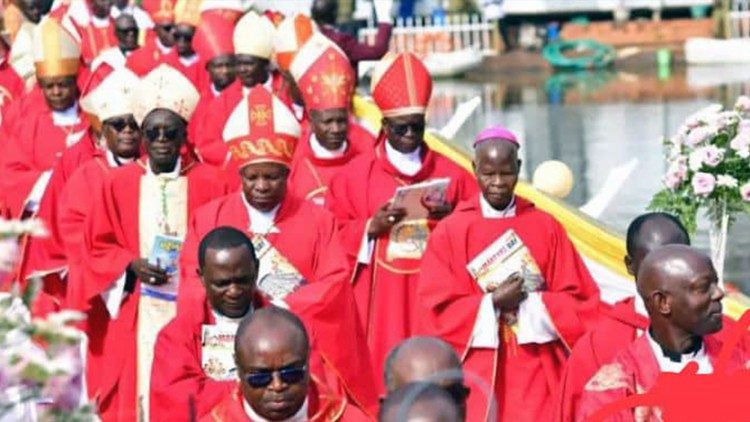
pixel 99 22
pixel 488 211
pixel 164 49
pixel 189 61
pixel 67 117
pixel 268 84
pixel 261 221
pixel 167 175
pixel 407 163
pixel 320 152
pixel 222 319
pixel 640 306
pixel 691 353
pixel 300 416
pixel 115 161
pixel 215 91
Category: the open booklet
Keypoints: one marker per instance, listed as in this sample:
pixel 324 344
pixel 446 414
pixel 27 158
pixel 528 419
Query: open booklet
pixel 165 254
pixel 417 197
pixel 217 352
pixel 503 257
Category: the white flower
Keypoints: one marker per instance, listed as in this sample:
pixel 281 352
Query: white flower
pixel 701 116
pixel 712 155
pixel 742 104
pixel 744 153
pixel 745 192
pixel 741 141
pixel 727 181
pixel 703 184
pixel 65 316
pixel 695 160
pixel 700 135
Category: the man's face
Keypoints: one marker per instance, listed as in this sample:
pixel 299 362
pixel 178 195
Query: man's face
pixel 229 278
pixel 251 70
pixel 264 184
pixel 101 8
pixel 165 33
pixel 121 4
pixel 164 133
pixel 122 135
pixel 496 168
pixel 183 38
pixel 31 9
pixel 405 133
pixel 222 70
pixel 696 305
pixel 126 30
pixel 60 92
pixel 330 127
pixel 281 396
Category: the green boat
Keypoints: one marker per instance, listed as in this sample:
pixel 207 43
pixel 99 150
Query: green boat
pixel 578 54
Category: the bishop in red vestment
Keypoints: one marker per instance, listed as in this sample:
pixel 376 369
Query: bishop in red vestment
pixel 45 128
pixel 680 291
pixel 139 204
pixel 330 138
pixel 92 26
pixel 385 251
pixel 159 42
pixel 302 265
pixel 511 329
pixel 11 85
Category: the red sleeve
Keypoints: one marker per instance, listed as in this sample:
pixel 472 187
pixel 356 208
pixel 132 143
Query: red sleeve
pixel 19 173
pixel 578 369
pixel 177 377
pixel 350 222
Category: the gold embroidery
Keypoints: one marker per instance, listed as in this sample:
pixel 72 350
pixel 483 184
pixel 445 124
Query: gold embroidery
pixel 609 377
pixel 260 115
pixel 245 149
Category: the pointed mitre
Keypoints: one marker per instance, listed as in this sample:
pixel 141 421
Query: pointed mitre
pixel 165 87
pixel 188 12
pixel 401 85
pixel 113 96
pixel 214 35
pixel 161 11
pixel 261 129
pixel 290 36
pixel 56 52
pixel 323 74
pixel 253 35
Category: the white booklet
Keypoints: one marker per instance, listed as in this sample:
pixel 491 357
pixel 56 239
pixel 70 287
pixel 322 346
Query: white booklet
pixel 217 352
pixel 415 198
pixel 503 257
pixel 166 255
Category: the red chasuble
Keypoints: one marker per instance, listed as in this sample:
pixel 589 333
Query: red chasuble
pixel 385 289
pixel 203 107
pixel 306 237
pixel 94 40
pixel 195 72
pixel 310 176
pixel 11 88
pixel 113 239
pixel 32 149
pixel 147 57
pixel 523 377
pixel 634 371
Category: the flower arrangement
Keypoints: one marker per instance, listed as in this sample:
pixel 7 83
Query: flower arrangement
pixel 708 166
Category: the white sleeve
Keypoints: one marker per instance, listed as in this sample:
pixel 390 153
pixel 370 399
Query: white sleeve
pixel 113 297
pixel 534 322
pixel 485 332
pixel 280 304
pixel 32 201
pixel 364 256
pixel 384 10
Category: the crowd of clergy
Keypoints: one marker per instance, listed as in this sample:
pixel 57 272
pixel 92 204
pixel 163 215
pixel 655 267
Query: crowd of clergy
pixel 296 289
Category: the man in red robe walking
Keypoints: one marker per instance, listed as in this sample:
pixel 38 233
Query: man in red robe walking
pixel 385 251
pixel 679 288
pixel 92 26
pixel 11 84
pixel 143 207
pixel 330 139
pixel 512 329
pixel 302 265
pixel 158 42
pixel 47 122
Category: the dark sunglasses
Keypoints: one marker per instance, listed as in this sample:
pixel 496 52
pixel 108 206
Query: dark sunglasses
pixel 287 375
pixel 120 124
pixel 168 27
pixel 401 130
pixel 181 36
pixel 126 31
pixel 458 392
pixel 170 134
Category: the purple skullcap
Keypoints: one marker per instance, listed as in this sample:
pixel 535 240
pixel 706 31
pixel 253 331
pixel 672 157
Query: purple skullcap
pixel 496 132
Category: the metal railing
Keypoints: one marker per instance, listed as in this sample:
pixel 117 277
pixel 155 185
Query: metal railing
pixel 739 19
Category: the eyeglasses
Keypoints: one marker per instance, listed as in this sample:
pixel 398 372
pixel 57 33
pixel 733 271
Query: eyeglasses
pixel 120 124
pixel 170 134
pixel 400 130
pixel 127 31
pixel 457 391
pixel 287 376
pixel 182 36
pixel 167 27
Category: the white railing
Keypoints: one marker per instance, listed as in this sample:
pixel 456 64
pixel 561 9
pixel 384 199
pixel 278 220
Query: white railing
pixel 739 19
pixel 422 35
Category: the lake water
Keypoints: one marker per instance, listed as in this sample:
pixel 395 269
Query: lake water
pixel 597 121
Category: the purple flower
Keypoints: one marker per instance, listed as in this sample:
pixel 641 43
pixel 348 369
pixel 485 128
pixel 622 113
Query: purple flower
pixel 703 184
pixel 745 192
pixel 712 156
pixel 699 135
pixel 741 141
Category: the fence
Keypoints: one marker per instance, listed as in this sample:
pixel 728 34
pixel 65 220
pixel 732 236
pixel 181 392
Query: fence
pixel 423 35
pixel 739 19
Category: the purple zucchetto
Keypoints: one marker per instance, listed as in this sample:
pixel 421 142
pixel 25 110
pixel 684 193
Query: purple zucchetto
pixel 496 132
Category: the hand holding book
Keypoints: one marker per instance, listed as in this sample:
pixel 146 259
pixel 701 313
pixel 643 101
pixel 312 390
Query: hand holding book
pixel 507 295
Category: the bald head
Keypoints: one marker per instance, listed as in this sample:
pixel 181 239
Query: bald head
pixel 423 402
pixel 271 328
pixel 496 167
pixel 679 287
pixel 422 359
pixel 650 231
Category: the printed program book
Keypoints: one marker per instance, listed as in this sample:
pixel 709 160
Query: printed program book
pixel 165 254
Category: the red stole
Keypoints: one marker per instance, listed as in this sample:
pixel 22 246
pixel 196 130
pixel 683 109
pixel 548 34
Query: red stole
pixel 310 176
pixel 385 290
pixel 231 408
pixel 147 57
pixel 307 239
pixel 523 377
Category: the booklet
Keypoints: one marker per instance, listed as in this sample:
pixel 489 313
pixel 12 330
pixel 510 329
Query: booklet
pixel 217 351
pixel 415 198
pixel 165 254
pixel 505 256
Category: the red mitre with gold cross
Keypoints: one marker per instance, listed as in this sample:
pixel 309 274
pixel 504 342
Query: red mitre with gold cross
pixel 324 74
pixel 261 129
pixel 401 85
pixel 161 11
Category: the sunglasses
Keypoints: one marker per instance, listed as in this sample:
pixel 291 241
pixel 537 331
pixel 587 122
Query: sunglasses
pixel 458 392
pixel 120 124
pixel 181 36
pixel 126 31
pixel 170 134
pixel 287 376
pixel 168 27
pixel 400 130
